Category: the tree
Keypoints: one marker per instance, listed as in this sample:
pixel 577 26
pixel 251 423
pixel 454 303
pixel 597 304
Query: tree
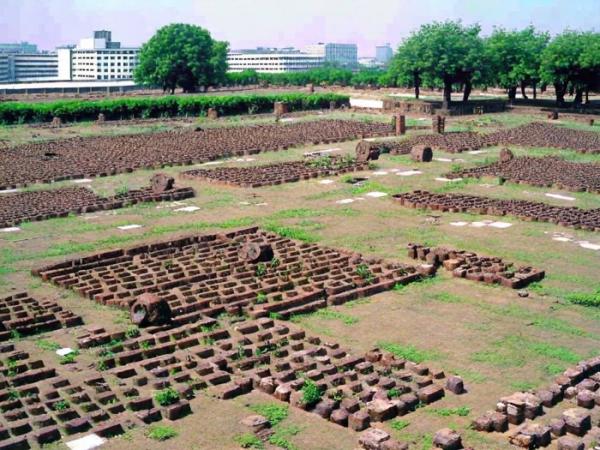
pixel 405 65
pixel 182 55
pixel 443 53
pixel 514 58
pixel 571 62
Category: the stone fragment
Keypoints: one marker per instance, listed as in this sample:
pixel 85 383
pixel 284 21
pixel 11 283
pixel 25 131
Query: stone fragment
pixel 447 439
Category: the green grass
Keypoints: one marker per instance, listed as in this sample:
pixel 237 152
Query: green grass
pixel 585 299
pixel 515 351
pixel 161 432
pixel 408 352
pixel 291 232
pixel 399 424
pixel 273 412
pixel 47 345
pixel 280 437
pixel 461 411
pixel 248 440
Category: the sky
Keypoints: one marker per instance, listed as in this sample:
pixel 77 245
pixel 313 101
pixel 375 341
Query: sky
pixel 279 23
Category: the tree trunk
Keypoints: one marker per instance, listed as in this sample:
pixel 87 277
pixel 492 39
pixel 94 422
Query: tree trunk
pixel 417 82
pixel 523 90
pixel 560 94
pixel 534 90
pixel 512 93
pixel 447 93
pixel 578 96
pixel 467 91
pixel 587 95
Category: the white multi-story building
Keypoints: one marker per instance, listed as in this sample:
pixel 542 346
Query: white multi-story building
pixel 342 54
pixel 98 58
pixel 24 67
pixel 272 62
pixel 383 53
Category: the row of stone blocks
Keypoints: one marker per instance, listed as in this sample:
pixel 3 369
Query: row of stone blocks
pixel 21 314
pixel 464 264
pixel 110 155
pixel 205 275
pixel 579 386
pixel 19 207
pixel 273 174
pixel 585 219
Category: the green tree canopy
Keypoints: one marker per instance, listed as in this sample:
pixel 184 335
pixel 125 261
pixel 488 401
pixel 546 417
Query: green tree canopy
pixel 514 58
pixel 442 53
pixel 571 62
pixel 182 55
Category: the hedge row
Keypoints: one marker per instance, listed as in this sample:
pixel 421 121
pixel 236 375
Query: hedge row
pixel 168 106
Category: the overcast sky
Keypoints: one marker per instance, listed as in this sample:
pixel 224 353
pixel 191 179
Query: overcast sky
pixel 279 23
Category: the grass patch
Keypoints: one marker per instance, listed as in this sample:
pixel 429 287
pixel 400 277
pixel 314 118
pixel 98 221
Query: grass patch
pixel 408 352
pixel 274 412
pixel 47 345
pixel 249 440
pixel 523 385
pixel 161 432
pixel 461 411
pixel 585 299
pixel 280 437
pixel 446 297
pixel 399 424
pixel 291 232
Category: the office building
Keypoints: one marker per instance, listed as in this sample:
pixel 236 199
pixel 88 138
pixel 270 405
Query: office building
pixel 342 54
pixel 19 47
pixel 272 61
pixel 24 67
pixel 383 53
pixel 98 58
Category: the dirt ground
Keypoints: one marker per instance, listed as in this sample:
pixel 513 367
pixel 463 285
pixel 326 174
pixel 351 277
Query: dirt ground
pixel 497 341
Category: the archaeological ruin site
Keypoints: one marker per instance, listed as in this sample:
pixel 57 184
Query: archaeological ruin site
pixel 340 277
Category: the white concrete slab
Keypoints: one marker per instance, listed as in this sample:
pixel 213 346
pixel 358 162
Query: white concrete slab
pixel 133 226
pixel 366 103
pixel 326 182
pixel 261 204
pixel 82 181
pixel 380 173
pixel 89 442
pixel 447 179
pixel 477 152
pixel 320 152
pixel 459 224
pixel 443 159
pixel 478 224
pixel 9 191
pixel 9 229
pixel 560 197
pixel 345 201
pixel 408 173
pixel 64 351
pixel 376 194
pixel 212 163
pixel 500 225
pixel 589 245
pixel 561 239
pixel 244 159
pixel 244 203
pixel 188 209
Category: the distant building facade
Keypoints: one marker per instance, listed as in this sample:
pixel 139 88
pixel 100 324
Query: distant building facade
pixel 95 58
pixel 383 53
pixel 18 47
pixel 99 58
pixel 264 60
pixel 342 54
pixel 24 67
